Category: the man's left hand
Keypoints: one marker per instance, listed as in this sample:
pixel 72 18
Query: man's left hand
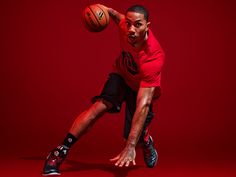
pixel 125 157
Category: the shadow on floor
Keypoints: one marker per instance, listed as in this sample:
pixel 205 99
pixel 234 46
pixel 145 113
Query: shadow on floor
pixel 74 165
pixel 71 165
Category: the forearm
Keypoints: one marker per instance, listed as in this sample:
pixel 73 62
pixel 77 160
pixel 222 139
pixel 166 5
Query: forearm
pixel 137 125
pixel 115 15
pixel 144 100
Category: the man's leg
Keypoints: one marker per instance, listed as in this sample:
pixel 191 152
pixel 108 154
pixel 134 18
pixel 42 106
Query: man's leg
pixel 79 127
pixel 88 117
pixel 110 100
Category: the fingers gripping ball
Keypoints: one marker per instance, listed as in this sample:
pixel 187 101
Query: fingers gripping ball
pixel 95 18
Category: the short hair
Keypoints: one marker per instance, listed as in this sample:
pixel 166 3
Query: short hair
pixel 139 9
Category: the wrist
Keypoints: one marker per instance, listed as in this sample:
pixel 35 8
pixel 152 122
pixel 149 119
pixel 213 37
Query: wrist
pixel 111 11
pixel 130 144
pixel 130 147
pixel 105 7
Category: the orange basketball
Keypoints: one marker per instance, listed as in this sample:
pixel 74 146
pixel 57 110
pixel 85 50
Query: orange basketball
pixel 95 18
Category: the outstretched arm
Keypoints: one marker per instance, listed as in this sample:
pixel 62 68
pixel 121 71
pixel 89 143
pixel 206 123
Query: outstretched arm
pixel 144 100
pixel 115 15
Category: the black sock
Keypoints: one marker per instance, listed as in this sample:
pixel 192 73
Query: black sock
pixel 69 140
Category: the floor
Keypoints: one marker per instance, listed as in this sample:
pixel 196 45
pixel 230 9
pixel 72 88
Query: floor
pixel 32 166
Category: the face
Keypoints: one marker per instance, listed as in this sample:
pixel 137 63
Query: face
pixel 137 27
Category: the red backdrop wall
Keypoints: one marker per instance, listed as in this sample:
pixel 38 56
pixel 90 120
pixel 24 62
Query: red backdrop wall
pixel 51 66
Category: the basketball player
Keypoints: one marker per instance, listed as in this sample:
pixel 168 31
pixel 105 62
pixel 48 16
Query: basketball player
pixel 135 80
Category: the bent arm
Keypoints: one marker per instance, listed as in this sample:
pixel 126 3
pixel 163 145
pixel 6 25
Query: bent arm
pixel 115 15
pixel 144 100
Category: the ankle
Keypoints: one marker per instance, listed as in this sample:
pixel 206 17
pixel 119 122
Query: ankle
pixel 69 140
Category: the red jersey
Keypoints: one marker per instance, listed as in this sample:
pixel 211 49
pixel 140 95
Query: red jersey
pixel 142 68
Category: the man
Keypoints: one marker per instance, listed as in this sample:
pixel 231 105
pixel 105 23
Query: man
pixel 135 80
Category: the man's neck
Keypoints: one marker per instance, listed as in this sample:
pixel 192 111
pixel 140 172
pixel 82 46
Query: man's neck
pixel 138 46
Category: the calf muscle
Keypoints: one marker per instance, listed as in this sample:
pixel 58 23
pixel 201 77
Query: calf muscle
pixel 87 118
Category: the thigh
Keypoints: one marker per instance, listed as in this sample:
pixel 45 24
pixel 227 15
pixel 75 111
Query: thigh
pixel 113 92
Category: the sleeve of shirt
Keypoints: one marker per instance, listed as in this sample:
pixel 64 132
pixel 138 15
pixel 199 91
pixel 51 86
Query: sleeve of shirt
pixel 151 71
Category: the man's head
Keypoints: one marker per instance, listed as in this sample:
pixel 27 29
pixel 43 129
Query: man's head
pixel 137 24
pixel 139 9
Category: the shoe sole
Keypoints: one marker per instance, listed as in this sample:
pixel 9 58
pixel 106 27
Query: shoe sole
pixel 52 174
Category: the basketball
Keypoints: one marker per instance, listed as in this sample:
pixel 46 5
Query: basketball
pixel 95 18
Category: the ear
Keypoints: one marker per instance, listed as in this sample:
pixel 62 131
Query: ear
pixel 148 24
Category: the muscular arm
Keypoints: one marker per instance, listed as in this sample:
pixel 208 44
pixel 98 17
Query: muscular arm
pixel 128 154
pixel 144 100
pixel 115 15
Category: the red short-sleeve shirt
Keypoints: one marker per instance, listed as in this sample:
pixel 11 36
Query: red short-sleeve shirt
pixel 143 68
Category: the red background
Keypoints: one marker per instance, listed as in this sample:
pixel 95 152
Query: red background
pixel 51 66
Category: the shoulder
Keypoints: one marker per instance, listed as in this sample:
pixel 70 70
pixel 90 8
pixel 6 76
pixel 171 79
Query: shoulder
pixel 153 49
pixel 152 43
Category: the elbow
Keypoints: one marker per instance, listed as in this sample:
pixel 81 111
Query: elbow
pixel 144 105
pixel 147 105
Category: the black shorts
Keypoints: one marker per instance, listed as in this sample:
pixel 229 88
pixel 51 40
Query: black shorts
pixel 116 91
